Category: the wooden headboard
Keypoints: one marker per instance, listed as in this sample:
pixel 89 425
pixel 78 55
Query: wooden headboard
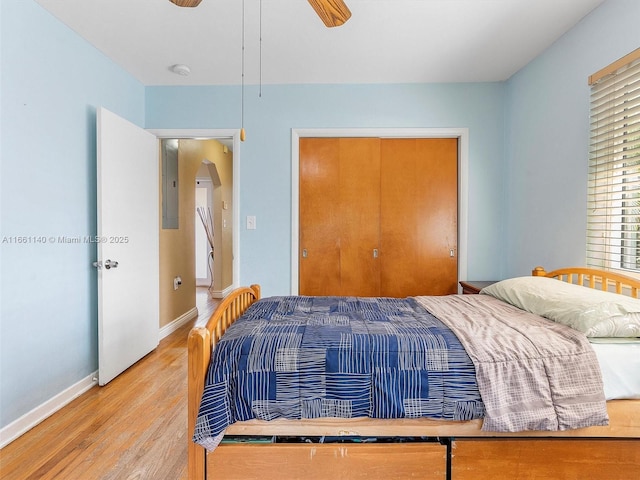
pixel 592 278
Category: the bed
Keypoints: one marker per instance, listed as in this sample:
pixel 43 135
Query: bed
pixel 460 446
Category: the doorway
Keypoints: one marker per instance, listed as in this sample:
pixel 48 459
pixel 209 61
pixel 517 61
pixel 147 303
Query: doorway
pixel 231 139
pixel 205 233
pixel 211 229
pixel 178 246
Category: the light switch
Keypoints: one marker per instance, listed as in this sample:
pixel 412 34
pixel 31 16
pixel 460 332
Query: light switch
pixel 251 222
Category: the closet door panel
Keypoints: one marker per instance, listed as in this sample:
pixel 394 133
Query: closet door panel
pixel 319 222
pixel 360 216
pixel 419 211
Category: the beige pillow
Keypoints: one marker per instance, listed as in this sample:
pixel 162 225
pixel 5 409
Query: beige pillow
pixel 593 312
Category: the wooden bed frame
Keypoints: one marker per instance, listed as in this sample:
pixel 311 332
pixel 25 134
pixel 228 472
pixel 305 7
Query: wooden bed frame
pixel 417 448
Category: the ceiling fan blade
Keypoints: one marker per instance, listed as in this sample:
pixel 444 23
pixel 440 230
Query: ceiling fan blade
pixel 333 13
pixel 186 3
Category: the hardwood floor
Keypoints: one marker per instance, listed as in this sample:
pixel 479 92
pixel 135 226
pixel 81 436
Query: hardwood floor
pixel 135 427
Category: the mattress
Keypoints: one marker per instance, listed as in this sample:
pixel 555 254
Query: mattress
pixel 619 361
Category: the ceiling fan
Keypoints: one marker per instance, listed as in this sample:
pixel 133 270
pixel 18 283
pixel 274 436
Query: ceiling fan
pixel 333 13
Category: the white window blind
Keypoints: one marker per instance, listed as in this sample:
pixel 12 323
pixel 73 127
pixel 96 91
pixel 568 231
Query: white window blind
pixel 613 230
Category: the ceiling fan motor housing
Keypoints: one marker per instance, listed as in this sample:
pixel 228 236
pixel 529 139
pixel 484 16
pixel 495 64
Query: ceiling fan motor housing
pixel 186 3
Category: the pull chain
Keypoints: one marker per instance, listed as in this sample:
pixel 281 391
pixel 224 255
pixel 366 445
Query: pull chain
pixel 242 132
pixel 260 91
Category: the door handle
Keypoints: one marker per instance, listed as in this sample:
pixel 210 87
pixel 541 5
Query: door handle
pixel 304 253
pixel 110 264
pixel 375 253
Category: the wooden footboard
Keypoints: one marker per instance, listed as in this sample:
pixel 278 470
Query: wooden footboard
pixel 202 340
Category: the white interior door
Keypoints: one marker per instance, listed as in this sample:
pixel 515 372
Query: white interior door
pixel 127 241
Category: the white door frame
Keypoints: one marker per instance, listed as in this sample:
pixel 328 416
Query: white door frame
pixel 462 134
pixel 213 133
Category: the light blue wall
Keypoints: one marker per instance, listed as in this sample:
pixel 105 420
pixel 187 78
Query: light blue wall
pixel 265 189
pixel 547 139
pixel 52 81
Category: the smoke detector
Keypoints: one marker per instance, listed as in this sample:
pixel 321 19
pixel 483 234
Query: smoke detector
pixel 180 69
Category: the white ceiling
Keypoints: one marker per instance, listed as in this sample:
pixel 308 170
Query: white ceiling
pixel 385 41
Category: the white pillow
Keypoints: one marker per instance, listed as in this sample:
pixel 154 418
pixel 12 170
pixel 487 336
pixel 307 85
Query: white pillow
pixel 593 312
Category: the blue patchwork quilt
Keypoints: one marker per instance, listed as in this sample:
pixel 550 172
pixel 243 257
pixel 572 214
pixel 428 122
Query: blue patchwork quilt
pixel 309 357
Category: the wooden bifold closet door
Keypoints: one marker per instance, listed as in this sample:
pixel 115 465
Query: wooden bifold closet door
pixel 378 217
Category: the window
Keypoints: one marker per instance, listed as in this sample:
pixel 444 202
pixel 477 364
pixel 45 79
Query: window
pixel 613 229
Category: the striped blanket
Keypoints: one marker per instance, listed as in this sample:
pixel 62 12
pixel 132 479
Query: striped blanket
pixel 310 357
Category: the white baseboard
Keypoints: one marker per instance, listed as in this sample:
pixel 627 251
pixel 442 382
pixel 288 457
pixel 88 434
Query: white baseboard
pixel 221 293
pixel 227 291
pixel 30 419
pixel 169 328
